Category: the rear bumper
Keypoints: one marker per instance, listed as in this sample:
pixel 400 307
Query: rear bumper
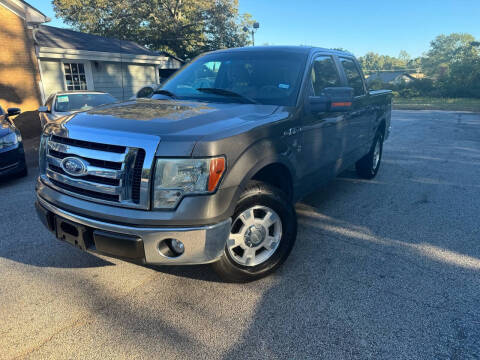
pixel 202 244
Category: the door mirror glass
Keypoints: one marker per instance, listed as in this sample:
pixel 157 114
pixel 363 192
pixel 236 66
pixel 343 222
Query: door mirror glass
pixel 318 104
pixel 13 111
pixel 335 99
pixel 43 109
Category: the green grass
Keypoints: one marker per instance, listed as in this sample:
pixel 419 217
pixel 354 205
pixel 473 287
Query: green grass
pixel 427 103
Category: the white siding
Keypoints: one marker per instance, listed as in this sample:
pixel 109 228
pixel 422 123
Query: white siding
pixel 137 76
pixel 121 80
pixel 52 76
pixel 170 63
pixel 107 77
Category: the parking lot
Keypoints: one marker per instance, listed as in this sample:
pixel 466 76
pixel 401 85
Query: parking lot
pixel 387 268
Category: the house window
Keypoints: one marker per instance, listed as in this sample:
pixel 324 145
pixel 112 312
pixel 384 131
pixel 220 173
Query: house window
pixel 75 76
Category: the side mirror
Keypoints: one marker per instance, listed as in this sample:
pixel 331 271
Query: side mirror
pixel 42 109
pixel 13 111
pixel 334 99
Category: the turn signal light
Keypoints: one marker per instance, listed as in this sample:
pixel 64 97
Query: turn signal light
pixel 217 168
pixel 341 104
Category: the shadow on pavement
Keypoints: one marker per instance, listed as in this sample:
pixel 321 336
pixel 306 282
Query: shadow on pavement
pixel 197 272
pixel 355 288
pixel 57 255
pixel 387 268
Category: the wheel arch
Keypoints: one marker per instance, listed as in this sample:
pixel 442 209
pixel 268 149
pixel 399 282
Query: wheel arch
pixel 265 161
pixel 276 174
pixel 382 126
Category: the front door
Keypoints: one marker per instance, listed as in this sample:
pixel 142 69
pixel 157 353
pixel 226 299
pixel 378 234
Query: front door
pixel 322 132
pixel 359 118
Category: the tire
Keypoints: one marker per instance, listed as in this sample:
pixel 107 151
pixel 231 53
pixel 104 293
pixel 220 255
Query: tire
pixel 367 167
pixel 267 205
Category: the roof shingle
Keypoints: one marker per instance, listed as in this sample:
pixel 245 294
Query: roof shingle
pixel 49 36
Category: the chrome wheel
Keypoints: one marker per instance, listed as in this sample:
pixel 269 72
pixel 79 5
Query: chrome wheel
pixel 376 153
pixel 255 236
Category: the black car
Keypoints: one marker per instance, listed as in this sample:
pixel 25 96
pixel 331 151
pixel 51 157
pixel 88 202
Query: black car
pixel 12 155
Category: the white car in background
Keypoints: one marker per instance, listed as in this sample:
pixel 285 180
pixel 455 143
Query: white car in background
pixel 65 103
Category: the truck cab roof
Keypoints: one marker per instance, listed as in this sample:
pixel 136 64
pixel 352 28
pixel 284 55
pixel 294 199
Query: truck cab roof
pixel 292 49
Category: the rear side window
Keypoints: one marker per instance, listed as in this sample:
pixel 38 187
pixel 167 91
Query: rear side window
pixel 324 74
pixel 353 75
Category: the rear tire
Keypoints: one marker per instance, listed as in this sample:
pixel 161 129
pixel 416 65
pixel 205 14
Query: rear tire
pixel 263 233
pixel 367 167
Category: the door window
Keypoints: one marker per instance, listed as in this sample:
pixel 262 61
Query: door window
pixel 353 75
pixel 324 74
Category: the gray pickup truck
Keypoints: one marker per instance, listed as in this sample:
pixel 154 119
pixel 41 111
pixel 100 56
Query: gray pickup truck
pixel 208 169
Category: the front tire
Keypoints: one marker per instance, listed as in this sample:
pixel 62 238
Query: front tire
pixel 367 167
pixel 263 233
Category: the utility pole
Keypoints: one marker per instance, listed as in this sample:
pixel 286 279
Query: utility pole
pixel 254 29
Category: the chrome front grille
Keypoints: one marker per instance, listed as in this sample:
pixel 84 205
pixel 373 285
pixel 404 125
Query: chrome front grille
pixel 112 174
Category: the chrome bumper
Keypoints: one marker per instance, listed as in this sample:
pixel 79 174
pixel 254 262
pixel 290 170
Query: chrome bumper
pixel 203 244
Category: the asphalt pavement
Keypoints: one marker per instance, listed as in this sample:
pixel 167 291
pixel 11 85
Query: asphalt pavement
pixel 382 269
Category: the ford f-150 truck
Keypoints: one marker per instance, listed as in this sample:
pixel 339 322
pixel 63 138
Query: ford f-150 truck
pixel 208 169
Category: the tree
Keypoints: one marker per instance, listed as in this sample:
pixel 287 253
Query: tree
pixel 453 61
pixel 445 51
pixel 182 27
pixel 404 57
pixel 373 61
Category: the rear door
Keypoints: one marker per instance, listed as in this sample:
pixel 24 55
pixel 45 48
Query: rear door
pixel 322 132
pixel 358 119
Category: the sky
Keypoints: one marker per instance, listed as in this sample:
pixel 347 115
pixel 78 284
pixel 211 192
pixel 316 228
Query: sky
pixel 360 26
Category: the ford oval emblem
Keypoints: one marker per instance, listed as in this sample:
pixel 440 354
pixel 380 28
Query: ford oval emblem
pixel 74 166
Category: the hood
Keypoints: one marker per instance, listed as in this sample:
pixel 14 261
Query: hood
pixel 182 120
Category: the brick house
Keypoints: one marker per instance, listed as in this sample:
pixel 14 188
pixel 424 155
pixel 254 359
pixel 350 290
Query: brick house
pixel 19 75
pixel 37 60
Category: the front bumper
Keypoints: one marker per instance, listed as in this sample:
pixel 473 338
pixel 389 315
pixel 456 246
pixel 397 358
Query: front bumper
pixel 12 160
pixel 203 244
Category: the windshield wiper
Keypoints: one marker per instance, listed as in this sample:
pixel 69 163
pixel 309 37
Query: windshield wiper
pixel 227 93
pixel 165 92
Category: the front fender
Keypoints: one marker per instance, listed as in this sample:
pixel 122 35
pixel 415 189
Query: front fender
pixel 259 155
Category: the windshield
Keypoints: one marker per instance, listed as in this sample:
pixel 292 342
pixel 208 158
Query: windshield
pixel 271 78
pixel 81 102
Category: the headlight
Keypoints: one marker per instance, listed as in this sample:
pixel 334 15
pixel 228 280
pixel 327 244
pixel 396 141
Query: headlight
pixel 8 140
pixel 42 154
pixel 175 178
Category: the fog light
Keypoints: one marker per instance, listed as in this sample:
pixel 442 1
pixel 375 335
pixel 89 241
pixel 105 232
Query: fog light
pixel 177 246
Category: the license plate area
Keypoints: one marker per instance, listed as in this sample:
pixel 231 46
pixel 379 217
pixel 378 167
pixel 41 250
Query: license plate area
pixel 75 234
